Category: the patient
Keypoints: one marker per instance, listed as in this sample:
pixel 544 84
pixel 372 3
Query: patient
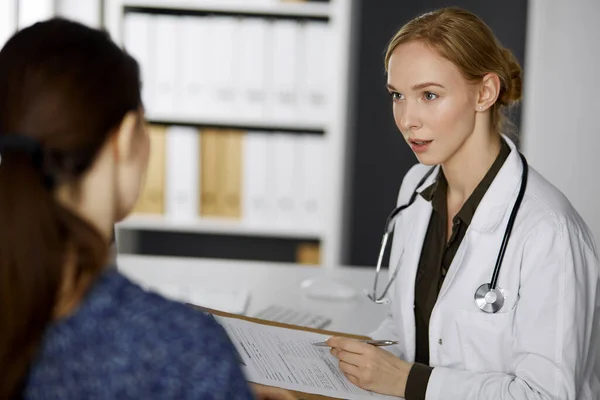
pixel 73 156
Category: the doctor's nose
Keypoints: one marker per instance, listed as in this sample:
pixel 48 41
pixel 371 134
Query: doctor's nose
pixel 407 117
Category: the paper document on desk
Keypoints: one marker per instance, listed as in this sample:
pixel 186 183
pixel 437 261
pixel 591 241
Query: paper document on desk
pixel 286 358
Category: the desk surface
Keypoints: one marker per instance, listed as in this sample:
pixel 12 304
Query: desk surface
pixel 268 283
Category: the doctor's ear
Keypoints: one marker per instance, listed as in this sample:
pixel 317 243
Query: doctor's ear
pixel 489 90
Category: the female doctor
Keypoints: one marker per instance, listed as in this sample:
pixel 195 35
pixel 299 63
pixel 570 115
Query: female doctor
pixel 466 328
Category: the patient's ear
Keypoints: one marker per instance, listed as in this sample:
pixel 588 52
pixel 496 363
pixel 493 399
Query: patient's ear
pixel 125 137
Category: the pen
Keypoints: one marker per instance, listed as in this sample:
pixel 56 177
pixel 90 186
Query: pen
pixel 371 342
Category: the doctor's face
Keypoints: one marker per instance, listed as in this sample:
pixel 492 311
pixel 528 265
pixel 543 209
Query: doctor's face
pixel 433 104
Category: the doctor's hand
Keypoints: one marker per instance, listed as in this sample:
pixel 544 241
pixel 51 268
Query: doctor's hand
pixel 262 392
pixel 370 367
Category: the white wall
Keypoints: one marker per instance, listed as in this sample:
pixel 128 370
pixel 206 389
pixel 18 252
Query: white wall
pixel 561 120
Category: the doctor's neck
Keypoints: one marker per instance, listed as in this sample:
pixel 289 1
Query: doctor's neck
pixel 465 169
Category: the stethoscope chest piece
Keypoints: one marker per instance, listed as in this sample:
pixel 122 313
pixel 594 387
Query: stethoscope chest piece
pixel 489 300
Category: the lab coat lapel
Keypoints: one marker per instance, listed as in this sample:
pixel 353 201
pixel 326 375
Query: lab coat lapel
pixel 496 202
pixel 500 196
pixel 419 221
pixel 454 266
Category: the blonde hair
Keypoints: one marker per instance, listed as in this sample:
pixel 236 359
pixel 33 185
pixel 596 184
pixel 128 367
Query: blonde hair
pixel 465 40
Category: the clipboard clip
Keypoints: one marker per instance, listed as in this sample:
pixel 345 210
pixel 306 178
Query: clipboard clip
pixel 377 343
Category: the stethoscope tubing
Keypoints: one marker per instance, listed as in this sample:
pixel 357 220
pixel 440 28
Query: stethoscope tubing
pixel 491 287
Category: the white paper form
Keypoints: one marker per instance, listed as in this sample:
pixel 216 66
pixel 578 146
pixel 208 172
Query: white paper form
pixel 286 358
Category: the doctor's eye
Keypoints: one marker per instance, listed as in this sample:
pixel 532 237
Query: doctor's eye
pixel 396 96
pixel 430 96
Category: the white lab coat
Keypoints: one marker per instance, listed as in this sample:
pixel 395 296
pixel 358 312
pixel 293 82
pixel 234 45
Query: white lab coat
pixel 544 342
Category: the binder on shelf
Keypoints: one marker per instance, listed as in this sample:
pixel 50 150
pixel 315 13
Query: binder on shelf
pixel 86 12
pixel 284 178
pixel 257 204
pixel 221 58
pixel 209 173
pixel 230 172
pixel 308 254
pixel 193 84
pixel 254 47
pixel 315 76
pixel 165 59
pixel 311 180
pixel 8 20
pixel 151 200
pixel 139 39
pixel 283 104
pixel 182 173
pixel 32 11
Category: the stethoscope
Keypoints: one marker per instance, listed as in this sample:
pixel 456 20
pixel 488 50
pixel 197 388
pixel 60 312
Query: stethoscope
pixel 488 297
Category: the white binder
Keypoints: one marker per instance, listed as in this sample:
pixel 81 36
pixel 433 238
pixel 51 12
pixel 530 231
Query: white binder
pixel 86 12
pixel 283 104
pixel 182 174
pixel 252 71
pixel 139 38
pixel 8 20
pixel 165 59
pixel 284 178
pixel 223 36
pixel 194 62
pixel 316 78
pixel 256 198
pixel 32 11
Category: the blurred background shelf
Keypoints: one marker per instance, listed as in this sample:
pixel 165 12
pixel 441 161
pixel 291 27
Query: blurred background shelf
pixel 247 104
pixel 364 157
pixel 257 124
pixel 217 226
pixel 248 7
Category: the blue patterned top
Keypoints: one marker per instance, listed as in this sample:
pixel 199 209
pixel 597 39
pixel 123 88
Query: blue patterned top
pixel 126 343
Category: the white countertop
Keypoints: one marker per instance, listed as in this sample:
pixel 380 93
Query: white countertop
pixel 268 284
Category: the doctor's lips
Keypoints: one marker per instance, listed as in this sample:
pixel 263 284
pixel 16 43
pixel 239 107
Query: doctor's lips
pixel 419 145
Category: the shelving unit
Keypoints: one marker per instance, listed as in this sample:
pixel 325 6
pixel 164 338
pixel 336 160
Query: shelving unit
pixel 337 15
pixel 217 226
pixel 255 124
pixel 238 7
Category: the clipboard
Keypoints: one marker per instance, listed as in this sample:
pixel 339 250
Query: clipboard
pixel 299 395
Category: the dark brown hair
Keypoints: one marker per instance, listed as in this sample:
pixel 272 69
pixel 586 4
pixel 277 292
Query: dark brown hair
pixel 66 87
pixel 464 39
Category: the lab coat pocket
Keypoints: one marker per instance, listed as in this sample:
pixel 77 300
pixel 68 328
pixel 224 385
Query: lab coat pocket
pixel 485 340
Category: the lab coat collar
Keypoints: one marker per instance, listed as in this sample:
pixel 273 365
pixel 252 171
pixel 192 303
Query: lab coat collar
pixel 430 180
pixel 498 199
pixel 500 196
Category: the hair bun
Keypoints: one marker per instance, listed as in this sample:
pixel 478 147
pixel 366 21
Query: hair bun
pixel 514 87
